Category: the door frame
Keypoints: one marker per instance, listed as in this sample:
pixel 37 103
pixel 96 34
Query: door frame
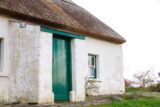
pixel 69 36
pixel 70 60
pixel 62 33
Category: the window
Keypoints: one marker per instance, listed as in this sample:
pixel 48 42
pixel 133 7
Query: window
pixel 1 54
pixel 92 66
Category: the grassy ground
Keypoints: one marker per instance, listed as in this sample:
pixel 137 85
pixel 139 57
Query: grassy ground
pixel 136 97
pixel 137 90
pixel 134 103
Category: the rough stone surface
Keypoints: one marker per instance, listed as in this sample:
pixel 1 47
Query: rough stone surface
pixel 24 75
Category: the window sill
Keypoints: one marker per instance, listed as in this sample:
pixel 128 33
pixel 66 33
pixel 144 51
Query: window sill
pixel 2 74
pixel 95 80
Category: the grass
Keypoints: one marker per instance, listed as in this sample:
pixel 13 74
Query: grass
pixel 137 90
pixel 134 103
pixel 136 97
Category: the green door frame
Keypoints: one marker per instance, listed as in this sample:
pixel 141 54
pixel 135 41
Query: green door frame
pixel 65 35
pixel 62 33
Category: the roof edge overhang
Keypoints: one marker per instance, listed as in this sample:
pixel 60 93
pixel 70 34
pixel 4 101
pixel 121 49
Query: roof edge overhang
pixel 43 22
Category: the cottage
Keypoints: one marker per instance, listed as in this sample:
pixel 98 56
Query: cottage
pixel 54 50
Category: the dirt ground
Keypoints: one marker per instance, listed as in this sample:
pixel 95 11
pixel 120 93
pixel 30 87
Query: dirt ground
pixel 90 100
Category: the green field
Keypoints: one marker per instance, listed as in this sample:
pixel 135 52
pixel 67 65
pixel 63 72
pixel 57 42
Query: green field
pixel 137 90
pixel 134 103
pixel 136 98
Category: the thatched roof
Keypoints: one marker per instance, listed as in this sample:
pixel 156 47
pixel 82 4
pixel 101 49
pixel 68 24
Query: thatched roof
pixel 60 14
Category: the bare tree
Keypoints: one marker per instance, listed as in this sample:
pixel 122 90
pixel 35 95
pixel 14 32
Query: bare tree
pixel 145 79
pixel 128 83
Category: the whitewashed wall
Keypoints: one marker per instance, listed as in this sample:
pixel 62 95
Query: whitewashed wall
pixel 109 66
pixel 5 60
pixel 79 68
pixel 45 73
pixel 26 71
pixel 24 76
pixel 32 62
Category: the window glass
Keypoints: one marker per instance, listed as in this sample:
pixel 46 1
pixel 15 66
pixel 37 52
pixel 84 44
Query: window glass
pixel 92 66
pixel 1 51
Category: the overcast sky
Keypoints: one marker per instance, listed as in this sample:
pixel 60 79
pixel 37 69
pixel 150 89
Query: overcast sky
pixel 138 21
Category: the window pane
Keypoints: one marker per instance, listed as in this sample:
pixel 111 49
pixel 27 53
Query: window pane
pixel 90 72
pixel 93 72
pixel 89 61
pixel 1 47
pixel 92 66
pixel 93 60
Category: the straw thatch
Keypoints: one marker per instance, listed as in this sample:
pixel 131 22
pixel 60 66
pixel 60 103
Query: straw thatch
pixel 59 14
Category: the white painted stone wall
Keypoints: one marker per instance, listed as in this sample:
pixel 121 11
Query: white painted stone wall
pixel 25 75
pixel 26 70
pixel 45 73
pixel 109 66
pixel 33 64
pixel 79 68
pixel 4 60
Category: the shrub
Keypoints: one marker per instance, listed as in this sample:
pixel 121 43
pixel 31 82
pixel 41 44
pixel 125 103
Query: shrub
pixel 155 87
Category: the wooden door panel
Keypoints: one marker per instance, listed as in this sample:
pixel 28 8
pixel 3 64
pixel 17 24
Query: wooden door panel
pixel 61 69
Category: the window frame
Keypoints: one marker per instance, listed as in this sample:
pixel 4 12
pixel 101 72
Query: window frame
pixel 90 66
pixel 3 73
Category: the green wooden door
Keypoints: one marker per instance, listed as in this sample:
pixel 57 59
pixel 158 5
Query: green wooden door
pixel 61 68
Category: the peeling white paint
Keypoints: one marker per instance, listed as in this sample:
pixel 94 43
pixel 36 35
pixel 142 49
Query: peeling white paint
pixel 25 62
